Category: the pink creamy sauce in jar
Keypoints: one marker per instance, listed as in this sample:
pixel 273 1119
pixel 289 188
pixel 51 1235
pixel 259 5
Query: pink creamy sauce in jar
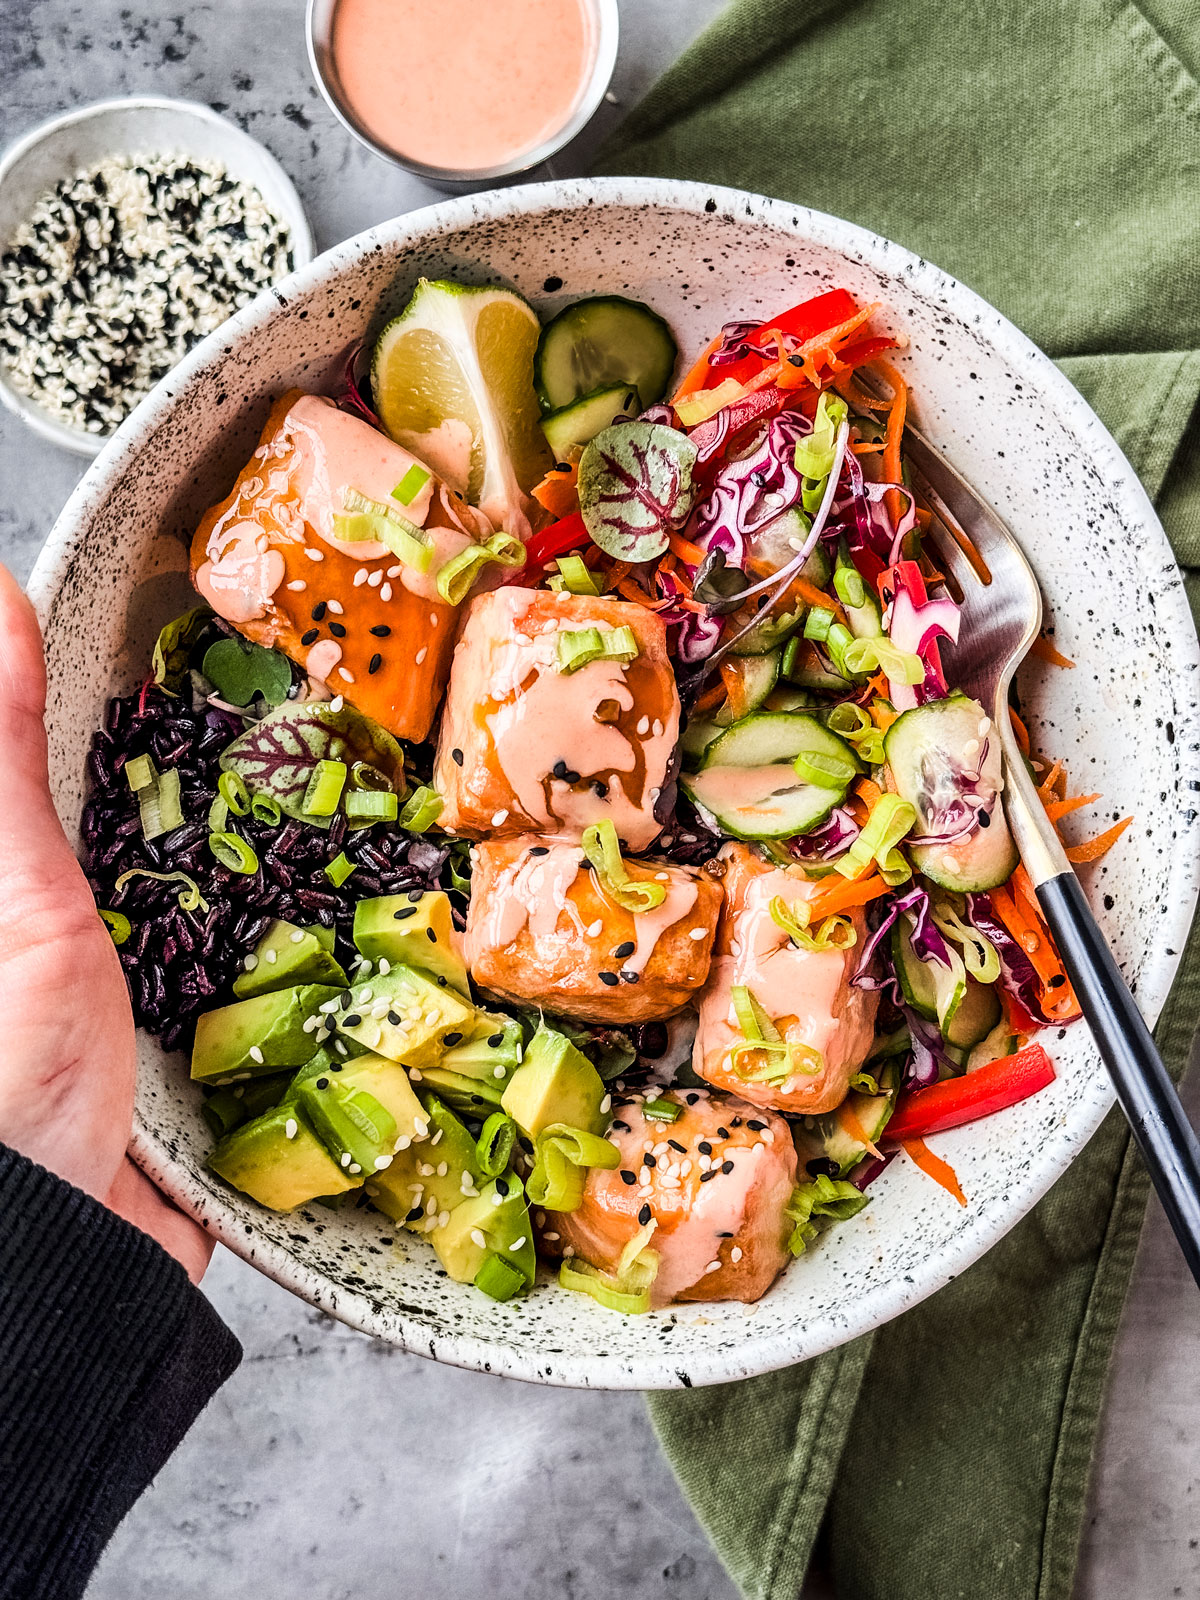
pixel 463 85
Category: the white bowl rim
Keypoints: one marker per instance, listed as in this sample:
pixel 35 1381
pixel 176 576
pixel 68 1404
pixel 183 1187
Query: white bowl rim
pixel 34 416
pixel 882 1303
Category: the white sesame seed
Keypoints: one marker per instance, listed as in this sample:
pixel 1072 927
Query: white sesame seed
pixel 394 572
pixel 419 1124
pixel 443 1218
pixel 381 1162
pixel 497 1072
pixel 297 586
pixel 360 577
pixel 375 578
pixel 443 1167
pixel 402 1143
pixel 434 619
pixel 313 555
pixel 354 1167
pixel 662 877
pixel 271 957
pixel 479 1237
pixel 606 1103
pixel 643 726
pixel 385 592
pixel 594 929
pixel 519 1244
pixel 437 1138
pixel 425 1168
pixel 736 1253
pixel 298 937
pixel 385 966
pixel 256 1054
pixel 416 1074
pixel 551 1238
pixel 697 933
pixel 346 676
pixel 657 729
pixel 291 1128
pixel 336 704
pixel 568 1251
pixel 713 1266
pixel 345 1158
pixel 249 964
pixel 497 1199
pixel 335 606
pixel 421 654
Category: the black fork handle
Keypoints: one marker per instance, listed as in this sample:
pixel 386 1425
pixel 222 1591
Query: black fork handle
pixel 1164 1135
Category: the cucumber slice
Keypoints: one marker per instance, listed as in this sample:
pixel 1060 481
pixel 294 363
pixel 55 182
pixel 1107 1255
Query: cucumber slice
pixel 698 734
pixel 597 343
pixel 783 697
pixel 965 1011
pixel 748 784
pixel 749 681
pixel 934 754
pixel 871 1112
pixel 994 1046
pixel 769 634
pixel 780 541
pixel 569 428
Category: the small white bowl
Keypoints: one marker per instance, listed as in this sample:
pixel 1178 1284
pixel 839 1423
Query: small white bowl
pixel 145 125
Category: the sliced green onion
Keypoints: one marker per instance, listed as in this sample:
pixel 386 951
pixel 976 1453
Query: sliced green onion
pixel 410 485
pixel 661 1110
pixel 834 932
pixel 364 776
pixel 373 805
pixel 372 521
pixel 233 790
pixel 603 850
pixel 627 1291
pixel 849 586
pixel 891 818
pixel 119 926
pixel 456 578
pixel 190 899
pixel 339 869
pixel 506 548
pixel 264 808
pixel 864 1083
pixel 561 1156
pixel 499 1279
pixel 324 790
pixel 864 656
pixel 814 453
pixel 851 722
pixel 980 957
pixel 496 1143
pixel 218 815
pixel 818 623
pixel 834 1198
pixel 459 867
pixel 421 810
pixel 575 576
pixel 784 1058
pixel 232 851
pixel 579 646
pixel 837 641
pixel 159 805
pixel 140 773
pixel 826 771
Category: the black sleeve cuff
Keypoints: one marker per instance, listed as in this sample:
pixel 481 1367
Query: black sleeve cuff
pixel 107 1356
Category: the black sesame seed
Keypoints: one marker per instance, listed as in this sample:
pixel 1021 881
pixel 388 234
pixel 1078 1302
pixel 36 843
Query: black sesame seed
pixel 338 630
pixel 1056 982
pixel 452 1038
pixel 457 757
pixel 631 977
pixel 692 1099
pixel 394 1019
pixel 381 630
pixel 736 1123
pixel 756 1125
pixel 414 1214
pixel 623 1126
pixel 322 1083
pixel 644 1214
pixel 624 950
pixel 495 1040
pixel 628 1177
pixel 675 1145
pixel 430 935
pixel 724 1236
pixel 405 911
pixel 441 983
pixel 539 850
pixel 649 1160
pixel 352 1019
pixel 336 1066
pixel 318 611
pixel 502 1186
pixel 559 769
pixel 609 978
pixel 724 1132
pixel 822 1167
pixel 571 777
pixel 704 1147
pixel 374 664
pixel 727 1167
pixel 415 896
pixel 310 637
pixel 706 1177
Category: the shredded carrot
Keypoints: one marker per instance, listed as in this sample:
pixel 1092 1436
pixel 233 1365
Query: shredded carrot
pixel 849 1120
pixel 1063 808
pixel 802 589
pixel 1045 651
pixel 1050 784
pixel 685 549
pixel 1017 907
pixel 867 447
pixel 557 493
pixel 694 378
pixel 1093 849
pixel 868 791
pixel 855 396
pixel 844 894
pixel 878 684
pixel 824 345
pixel 895 432
pixel 1021 731
pixel 710 699
pixel 934 1167
pixel 634 591
pixel 882 716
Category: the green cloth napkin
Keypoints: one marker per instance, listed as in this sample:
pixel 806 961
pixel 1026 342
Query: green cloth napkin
pixel 1046 152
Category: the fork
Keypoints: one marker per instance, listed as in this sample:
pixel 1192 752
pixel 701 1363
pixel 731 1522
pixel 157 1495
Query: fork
pixel 1001 617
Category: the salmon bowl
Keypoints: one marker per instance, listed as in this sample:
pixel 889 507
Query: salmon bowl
pixel 116 566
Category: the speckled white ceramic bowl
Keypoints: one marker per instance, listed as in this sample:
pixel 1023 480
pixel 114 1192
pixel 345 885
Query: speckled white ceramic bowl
pixel 1125 721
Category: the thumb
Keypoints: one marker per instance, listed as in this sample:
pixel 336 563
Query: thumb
pixel 22 708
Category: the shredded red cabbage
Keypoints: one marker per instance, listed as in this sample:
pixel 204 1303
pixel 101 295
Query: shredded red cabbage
pixel 915 627
pixel 753 488
pixel 837 833
pixel 1017 974
pixel 353 393
pixel 710 437
pixel 867 1171
pixel 698 632
pixel 735 343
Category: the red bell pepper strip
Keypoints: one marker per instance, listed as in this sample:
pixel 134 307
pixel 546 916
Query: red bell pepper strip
pixel 802 322
pixel 990 1088
pixel 907 575
pixel 566 534
pixel 853 355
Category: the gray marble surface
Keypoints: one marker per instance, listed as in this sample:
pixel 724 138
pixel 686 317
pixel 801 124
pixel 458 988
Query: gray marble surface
pixel 331 1466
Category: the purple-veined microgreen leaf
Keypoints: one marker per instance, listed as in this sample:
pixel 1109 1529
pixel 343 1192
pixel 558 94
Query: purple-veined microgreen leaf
pixel 635 488
pixel 276 756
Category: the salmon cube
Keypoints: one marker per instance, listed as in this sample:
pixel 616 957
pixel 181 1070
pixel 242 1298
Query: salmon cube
pixel 528 748
pixel 541 931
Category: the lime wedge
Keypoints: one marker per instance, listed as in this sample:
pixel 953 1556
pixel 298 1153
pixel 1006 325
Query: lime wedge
pixel 452 377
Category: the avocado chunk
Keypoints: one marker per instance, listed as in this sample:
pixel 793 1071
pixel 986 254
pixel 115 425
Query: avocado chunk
pixel 278 1160
pixel 479 1230
pixel 554 1083
pixel 325 937
pixel 227 1109
pixel 285 956
pixel 491 1050
pixel 403 1015
pixel 253 1037
pixel 412 933
pixel 430 1177
pixel 470 1097
pixel 364 1112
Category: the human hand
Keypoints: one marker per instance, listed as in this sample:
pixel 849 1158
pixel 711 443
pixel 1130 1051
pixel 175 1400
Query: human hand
pixel 67 1065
